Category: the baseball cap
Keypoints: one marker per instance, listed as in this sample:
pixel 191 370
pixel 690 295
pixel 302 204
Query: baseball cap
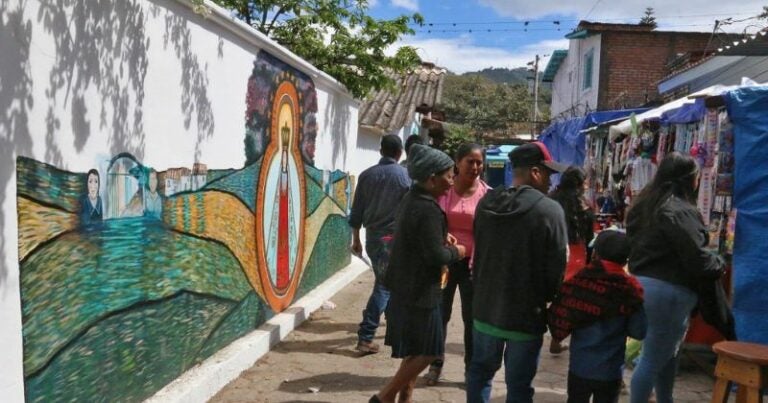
pixel 532 154
pixel 612 246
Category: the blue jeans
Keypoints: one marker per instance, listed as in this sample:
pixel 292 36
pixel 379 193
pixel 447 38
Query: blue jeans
pixel 668 307
pixel 521 359
pixel 378 252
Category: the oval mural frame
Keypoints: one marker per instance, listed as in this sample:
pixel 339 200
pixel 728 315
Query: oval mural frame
pixel 286 93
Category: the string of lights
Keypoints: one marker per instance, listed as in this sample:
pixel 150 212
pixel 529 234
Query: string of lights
pixel 560 21
pixel 559 28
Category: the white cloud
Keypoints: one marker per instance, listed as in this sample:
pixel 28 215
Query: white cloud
pixel 412 5
pixel 462 54
pixel 680 15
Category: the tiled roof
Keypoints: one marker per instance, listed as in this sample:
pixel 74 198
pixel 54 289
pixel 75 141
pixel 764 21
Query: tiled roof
pixel 389 111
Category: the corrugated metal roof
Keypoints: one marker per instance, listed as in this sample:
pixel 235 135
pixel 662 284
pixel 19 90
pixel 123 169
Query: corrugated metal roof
pixel 389 111
pixel 752 45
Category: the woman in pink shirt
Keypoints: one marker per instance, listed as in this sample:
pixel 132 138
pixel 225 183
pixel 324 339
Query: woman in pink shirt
pixel 459 206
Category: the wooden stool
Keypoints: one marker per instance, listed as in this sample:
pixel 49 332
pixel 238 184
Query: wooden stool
pixel 745 364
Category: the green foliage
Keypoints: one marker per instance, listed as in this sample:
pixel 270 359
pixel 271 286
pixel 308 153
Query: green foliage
pixel 455 136
pixel 487 106
pixel 336 36
pixel 648 18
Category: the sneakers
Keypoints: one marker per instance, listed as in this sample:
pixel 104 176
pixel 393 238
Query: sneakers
pixel 367 347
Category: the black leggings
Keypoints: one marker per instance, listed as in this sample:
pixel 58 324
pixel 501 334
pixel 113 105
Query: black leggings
pixel 459 277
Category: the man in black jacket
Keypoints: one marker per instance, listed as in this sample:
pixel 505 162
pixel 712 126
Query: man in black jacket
pixel 520 255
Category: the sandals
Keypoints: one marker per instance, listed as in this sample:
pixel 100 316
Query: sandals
pixel 433 376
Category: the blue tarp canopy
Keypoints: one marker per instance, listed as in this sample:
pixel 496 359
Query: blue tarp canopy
pixel 688 113
pixel 747 110
pixel 565 138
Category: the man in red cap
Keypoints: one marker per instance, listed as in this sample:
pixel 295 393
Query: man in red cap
pixel 520 255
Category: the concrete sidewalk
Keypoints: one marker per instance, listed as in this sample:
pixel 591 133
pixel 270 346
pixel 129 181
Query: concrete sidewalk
pixel 317 363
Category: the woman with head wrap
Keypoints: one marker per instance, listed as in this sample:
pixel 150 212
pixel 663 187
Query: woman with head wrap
pixel 420 249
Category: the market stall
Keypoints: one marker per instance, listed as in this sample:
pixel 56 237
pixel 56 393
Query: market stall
pixel 705 130
pixel 566 139
pixel 746 108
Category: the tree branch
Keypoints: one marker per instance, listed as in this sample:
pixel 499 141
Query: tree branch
pixel 263 25
pixel 279 12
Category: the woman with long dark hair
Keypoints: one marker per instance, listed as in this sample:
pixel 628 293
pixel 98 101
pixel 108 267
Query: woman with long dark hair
pixel 670 260
pixel 459 205
pixel 578 217
pixel 420 249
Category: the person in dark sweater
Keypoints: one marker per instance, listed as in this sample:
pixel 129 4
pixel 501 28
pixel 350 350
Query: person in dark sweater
pixel 599 307
pixel 379 190
pixel 519 260
pixel 409 142
pixel 420 248
pixel 670 259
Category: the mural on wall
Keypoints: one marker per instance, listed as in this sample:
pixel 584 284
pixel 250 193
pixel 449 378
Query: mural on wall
pixel 130 274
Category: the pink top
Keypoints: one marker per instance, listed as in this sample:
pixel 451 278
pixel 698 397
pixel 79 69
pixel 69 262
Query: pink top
pixel 461 213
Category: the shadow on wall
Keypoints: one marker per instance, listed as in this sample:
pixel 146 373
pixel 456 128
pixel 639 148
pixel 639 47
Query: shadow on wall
pixel 195 103
pixel 101 45
pixel 368 140
pixel 337 117
pixel 15 101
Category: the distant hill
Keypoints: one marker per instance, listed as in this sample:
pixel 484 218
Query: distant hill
pixel 517 76
pixel 503 75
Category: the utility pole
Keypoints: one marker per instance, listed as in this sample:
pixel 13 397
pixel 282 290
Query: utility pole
pixel 535 108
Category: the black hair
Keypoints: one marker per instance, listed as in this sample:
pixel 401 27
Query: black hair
pixel 673 178
pixel 391 146
pixel 569 193
pixel 93 172
pixel 411 140
pixel 465 149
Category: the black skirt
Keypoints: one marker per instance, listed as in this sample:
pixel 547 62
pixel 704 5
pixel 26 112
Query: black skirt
pixel 413 330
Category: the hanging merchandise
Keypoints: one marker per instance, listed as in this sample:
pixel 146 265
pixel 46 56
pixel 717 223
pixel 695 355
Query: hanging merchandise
pixel 730 234
pixel 724 185
pixel 661 150
pixel 682 132
pixel 643 171
pixel 706 185
pixel 710 140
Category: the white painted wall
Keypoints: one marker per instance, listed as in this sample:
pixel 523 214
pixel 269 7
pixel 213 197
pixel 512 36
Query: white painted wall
pixel 152 78
pixel 569 98
pixel 369 141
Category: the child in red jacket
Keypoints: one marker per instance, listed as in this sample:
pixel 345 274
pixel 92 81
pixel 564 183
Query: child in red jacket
pixel 599 308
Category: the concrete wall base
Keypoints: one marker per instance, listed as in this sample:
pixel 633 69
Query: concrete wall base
pixel 202 382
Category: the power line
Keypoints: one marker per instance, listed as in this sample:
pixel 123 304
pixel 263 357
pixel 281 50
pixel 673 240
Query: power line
pixel 487 30
pixel 529 22
pixel 592 9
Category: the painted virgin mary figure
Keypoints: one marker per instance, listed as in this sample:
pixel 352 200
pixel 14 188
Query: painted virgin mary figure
pixel 283 205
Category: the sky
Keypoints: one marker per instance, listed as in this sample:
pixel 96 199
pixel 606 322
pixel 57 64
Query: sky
pixel 511 43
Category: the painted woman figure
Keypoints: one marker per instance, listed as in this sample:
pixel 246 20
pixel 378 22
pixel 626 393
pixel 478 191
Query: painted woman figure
pixel 283 229
pixel 153 201
pixel 90 203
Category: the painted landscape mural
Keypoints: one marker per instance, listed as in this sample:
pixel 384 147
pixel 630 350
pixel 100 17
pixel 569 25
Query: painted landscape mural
pixel 130 274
